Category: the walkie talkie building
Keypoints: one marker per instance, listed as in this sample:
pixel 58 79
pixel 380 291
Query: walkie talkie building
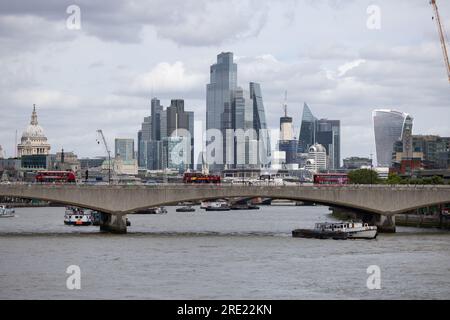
pixel 389 126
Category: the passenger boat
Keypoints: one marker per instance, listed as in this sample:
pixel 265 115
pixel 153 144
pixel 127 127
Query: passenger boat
pixel 338 231
pixel 77 217
pixel 6 212
pixel 185 209
pixel 219 205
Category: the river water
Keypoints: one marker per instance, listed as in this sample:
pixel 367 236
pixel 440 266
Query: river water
pixel 216 255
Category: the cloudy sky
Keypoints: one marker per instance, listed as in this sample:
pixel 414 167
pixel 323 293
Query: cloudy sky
pixel 102 76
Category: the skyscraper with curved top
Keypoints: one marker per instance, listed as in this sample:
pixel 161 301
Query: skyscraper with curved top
pixel 389 127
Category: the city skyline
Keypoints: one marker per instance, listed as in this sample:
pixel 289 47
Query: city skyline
pixel 359 71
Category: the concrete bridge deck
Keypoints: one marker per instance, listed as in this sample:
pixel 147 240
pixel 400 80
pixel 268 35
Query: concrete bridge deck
pixel 119 200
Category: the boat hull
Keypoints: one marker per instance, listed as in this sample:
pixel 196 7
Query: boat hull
pixel 313 234
pixel 76 223
pixel 366 234
pixel 218 209
pixel 7 215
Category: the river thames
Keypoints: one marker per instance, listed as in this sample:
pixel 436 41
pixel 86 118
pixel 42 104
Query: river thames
pixel 216 255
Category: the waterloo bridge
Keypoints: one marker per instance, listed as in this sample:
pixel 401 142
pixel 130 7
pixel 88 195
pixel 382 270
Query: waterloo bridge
pixel 381 202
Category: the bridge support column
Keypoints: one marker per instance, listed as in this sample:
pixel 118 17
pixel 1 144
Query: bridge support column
pixel 113 223
pixel 385 224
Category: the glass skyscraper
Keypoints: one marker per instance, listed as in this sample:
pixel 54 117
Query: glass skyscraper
pixel 219 93
pixel 321 131
pixel 389 126
pixel 124 148
pixel 223 80
pixel 307 130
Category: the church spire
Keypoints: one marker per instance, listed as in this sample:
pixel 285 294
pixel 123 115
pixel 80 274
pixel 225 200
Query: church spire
pixel 34 116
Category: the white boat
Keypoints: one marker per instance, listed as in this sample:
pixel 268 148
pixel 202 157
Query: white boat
pixel 6 212
pixel 204 204
pixel 219 205
pixel 341 230
pixel 77 217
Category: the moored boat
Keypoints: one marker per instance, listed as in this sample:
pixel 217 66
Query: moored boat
pixel 219 205
pixel 338 231
pixel 6 212
pixel 185 209
pixel 77 217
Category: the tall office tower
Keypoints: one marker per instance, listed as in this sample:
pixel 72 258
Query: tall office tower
pixel 223 81
pixel 389 126
pixel 307 130
pixel 179 124
pixel 328 134
pixel 144 137
pixel 156 110
pixel 325 132
pixel 124 148
pixel 260 125
pixel 245 146
pixel 287 142
pixel 140 157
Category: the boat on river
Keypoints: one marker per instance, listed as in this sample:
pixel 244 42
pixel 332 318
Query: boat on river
pixel 185 209
pixel 338 231
pixel 219 205
pixel 77 217
pixel 6 212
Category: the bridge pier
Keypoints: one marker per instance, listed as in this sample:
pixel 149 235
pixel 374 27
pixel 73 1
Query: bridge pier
pixel 385 224
pixel 113 223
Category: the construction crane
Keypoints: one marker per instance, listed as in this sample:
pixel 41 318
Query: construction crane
pixel 441 36
pixel 100 133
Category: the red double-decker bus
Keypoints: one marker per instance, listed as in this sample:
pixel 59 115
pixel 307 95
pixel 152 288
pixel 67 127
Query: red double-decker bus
pixel 331 178
pixel 55 176
pixel 198 177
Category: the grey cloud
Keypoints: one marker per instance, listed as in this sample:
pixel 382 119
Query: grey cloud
pixel 186 22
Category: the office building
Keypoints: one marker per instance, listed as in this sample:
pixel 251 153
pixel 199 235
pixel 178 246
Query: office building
pixel 124 148
pixel 320 131
pixel 389 126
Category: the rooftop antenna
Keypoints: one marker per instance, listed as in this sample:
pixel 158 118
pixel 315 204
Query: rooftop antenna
pixel 15 145
pixel 285 103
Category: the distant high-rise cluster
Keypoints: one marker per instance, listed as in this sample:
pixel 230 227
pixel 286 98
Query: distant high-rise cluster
pixel 166 138
pixel 237 115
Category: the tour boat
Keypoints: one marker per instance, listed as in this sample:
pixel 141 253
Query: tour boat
pixel 341 230
pixel 185 209
pixel 6 212
pixel 77 217
pixel 219 205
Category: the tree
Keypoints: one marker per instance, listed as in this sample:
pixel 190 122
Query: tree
pixel 363 176
pixel 394 179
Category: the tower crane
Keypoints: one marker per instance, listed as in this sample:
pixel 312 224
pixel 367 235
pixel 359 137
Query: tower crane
pixel 100 133
pixel 441 36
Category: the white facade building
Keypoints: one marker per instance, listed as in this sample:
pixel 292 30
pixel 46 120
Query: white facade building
pixel 317 158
